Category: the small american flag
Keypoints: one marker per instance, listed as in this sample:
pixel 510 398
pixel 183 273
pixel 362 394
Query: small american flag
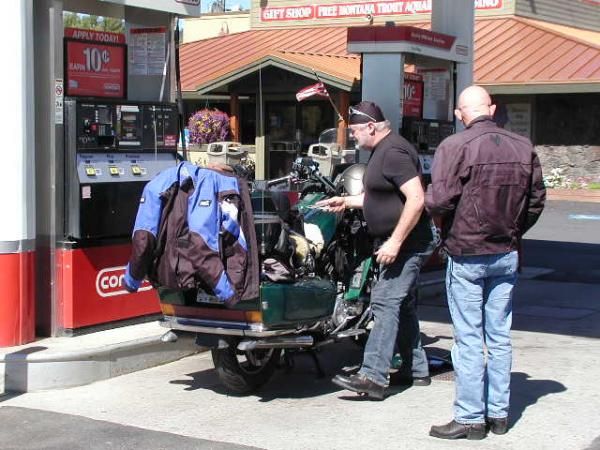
pixel 309 91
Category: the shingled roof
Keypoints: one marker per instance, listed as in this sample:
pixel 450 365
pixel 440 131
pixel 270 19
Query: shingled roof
pixel 512 54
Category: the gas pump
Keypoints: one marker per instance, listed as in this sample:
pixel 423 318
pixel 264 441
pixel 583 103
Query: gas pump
pixel 396 57
pixel 120 129
pixel 425 135
pixel 113 150
pixel 414 74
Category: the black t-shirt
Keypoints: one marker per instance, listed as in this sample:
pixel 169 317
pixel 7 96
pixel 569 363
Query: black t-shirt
pixel 394 161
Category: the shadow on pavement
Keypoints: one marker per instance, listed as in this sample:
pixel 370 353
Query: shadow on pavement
pixel 302 379
pixel 526 392
pixel 595 445
pixel 8 396
pixel 561 256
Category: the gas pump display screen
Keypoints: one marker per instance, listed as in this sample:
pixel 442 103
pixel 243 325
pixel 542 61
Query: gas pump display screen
pixel 433 135
pixel 129 126
pixel 95 127
pixel 124 128
pixel 426 134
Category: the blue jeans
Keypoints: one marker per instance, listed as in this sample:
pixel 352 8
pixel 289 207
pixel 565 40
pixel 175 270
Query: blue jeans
pixel 480 290
pixel 393 302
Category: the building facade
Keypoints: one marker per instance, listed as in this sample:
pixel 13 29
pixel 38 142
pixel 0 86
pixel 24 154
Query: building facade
pixel 541 62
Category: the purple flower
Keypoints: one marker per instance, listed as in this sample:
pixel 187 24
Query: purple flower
pixel 208 125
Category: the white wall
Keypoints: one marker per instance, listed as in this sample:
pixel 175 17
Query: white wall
pixel 17 169
pixel 212 25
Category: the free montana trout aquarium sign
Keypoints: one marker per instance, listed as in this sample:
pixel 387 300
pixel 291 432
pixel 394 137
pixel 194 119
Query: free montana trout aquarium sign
pixel 359 9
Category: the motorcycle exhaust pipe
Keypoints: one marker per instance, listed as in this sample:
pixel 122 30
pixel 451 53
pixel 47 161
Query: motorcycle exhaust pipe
pixel 350 333
pixel 276 342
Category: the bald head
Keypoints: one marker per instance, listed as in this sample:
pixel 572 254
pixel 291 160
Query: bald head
pixel 474 102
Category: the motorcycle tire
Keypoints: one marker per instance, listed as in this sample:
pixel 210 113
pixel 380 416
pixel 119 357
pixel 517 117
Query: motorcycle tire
pixel 244 372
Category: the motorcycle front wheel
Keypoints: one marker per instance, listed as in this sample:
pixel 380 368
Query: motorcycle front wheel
pixel 242 372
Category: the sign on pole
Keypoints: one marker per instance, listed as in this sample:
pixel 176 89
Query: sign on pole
pixel 59 94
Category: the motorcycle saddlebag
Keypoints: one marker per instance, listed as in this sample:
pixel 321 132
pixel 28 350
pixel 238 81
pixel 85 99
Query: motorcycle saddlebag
pixel 304 301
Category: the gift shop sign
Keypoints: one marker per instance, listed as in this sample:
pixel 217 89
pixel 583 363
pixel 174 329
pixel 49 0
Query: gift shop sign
pixel 95 63
pixel 358 9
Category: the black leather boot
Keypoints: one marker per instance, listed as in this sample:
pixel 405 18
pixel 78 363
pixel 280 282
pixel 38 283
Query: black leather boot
pixel 404 380
pixel 497 425
pixel 455 430
pixel 361 384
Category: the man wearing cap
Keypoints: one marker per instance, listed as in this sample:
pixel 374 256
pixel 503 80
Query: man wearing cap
pixel 393 205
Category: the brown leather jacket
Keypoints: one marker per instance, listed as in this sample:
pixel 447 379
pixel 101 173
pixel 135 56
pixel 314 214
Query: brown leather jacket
pixel 487 186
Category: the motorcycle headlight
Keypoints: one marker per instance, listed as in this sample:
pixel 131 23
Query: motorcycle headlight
pixel 352 179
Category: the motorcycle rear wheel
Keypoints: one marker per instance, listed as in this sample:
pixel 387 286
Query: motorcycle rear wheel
pixel 244 372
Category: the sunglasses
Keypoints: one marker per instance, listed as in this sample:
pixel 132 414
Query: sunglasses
pixel 355 112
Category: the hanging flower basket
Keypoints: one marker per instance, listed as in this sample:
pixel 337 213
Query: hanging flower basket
pixel 208 125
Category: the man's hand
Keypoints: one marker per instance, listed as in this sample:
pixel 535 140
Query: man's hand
pixel 388 252
pixel 333 204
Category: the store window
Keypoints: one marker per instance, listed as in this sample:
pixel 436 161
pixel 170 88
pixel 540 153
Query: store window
pixel 281 121
pixel 316 118
pixel 291 128
pixel 567 119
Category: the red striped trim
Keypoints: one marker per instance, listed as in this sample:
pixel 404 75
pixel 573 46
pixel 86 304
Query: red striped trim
pixel 17 308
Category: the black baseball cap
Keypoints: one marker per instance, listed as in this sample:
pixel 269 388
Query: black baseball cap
pixel 365 112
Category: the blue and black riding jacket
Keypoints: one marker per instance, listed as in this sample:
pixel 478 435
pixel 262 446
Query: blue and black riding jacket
pixel 194 230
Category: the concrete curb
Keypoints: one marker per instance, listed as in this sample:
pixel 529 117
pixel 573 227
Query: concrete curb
pixel 37 368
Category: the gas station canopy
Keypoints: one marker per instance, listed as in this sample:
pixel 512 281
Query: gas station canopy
pixel 179 7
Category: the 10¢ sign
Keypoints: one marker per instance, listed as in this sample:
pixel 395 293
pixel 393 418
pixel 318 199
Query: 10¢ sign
pixel 95 69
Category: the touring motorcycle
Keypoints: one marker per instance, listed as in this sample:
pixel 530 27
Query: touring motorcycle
pixel 316 271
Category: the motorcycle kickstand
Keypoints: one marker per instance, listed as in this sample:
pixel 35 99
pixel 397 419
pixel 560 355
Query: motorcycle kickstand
pixel 320 371
pixel 288 361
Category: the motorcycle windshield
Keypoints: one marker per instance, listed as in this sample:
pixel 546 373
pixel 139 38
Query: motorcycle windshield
pixel 335 151
pixel 341 136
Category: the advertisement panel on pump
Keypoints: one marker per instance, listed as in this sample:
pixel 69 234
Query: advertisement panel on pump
pixel 413 95
pixel 95 64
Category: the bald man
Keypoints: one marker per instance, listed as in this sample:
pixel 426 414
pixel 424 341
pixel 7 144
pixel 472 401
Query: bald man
pixel 487 188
